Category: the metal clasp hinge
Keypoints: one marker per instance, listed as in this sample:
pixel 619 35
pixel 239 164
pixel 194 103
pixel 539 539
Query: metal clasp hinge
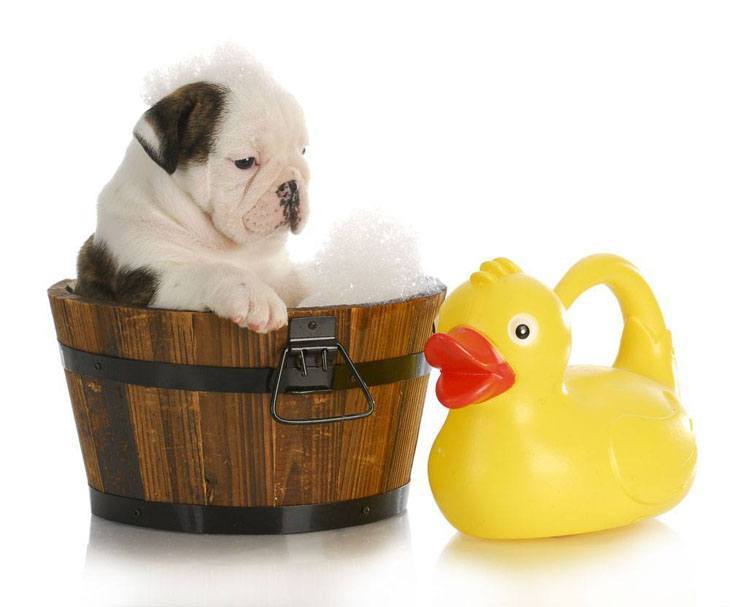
pixel 307 365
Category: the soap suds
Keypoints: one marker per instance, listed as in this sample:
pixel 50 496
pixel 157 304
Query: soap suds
pixel 223 65
pixel 366 258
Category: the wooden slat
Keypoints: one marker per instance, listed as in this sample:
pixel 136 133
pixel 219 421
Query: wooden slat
pixel 85 432
pixel 149 434
pixel 184 445
pixel 401 452
pixel 237 444
pixel 114 437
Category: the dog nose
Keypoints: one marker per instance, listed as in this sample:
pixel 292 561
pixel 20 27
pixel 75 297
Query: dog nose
pixel 288 193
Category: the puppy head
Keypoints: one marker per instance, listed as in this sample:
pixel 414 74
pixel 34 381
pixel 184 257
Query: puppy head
pixel 236 147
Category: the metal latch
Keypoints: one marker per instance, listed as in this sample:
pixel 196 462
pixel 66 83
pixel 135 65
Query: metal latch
pixel 307 365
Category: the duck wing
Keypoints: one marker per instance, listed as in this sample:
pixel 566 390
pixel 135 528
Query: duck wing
pixel 654 458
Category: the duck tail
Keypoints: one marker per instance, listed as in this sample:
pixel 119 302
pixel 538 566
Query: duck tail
pixel 646 343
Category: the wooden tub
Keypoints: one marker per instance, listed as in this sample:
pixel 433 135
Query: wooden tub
pixel 180 429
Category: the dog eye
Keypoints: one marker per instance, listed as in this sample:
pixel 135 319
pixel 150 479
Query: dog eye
pixel 304 150
pixel 245 163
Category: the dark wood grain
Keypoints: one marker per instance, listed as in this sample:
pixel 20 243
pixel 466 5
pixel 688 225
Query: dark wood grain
pixel 225 449
pixel 113 430
pixel 83 427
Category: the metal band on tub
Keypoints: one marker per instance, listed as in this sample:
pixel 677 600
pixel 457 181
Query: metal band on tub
pixel 307 364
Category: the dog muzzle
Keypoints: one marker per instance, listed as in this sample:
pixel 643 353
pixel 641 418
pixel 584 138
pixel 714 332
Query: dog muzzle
pixel 275 210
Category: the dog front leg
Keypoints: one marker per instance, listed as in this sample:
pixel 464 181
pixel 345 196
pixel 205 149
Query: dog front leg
pixel 229 291
pixel 294 286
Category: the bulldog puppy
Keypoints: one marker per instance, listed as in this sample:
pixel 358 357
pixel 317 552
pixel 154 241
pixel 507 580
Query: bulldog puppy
pixel 197 214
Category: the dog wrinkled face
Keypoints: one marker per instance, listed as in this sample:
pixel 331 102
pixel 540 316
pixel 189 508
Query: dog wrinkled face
pixel 237 151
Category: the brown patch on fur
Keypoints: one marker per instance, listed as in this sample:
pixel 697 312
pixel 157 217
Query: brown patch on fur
pixel 99 277
pixel 185 123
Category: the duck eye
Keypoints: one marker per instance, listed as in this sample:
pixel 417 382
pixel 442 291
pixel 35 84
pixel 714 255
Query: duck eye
pixel 522 329
pixel 245 163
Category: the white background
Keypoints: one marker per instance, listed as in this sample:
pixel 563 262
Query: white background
pixel 540 131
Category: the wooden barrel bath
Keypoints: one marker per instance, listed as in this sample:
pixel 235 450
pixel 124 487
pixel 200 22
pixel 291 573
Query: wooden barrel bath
pixel 189 423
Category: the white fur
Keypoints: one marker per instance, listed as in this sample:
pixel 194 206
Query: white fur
pixel 211 231
pixel 144 131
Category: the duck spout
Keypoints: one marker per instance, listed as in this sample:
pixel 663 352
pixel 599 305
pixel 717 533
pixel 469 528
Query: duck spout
pixel 472 370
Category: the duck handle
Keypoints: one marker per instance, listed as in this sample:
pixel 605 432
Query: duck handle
pixel 646 344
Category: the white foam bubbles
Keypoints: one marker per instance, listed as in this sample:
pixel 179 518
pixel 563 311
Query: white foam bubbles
pixel 367 258
pixel 226 64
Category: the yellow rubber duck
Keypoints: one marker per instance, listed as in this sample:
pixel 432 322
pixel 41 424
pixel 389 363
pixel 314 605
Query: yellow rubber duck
pixel 557 450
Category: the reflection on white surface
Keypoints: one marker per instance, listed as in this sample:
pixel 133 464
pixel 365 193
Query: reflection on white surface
pixel 132 566
pixel 411 559
pixel 643 564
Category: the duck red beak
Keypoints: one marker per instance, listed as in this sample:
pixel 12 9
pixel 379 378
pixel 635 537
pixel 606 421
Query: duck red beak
pixel 472 369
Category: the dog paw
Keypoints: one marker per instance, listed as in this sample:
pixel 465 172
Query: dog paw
pixel 253 306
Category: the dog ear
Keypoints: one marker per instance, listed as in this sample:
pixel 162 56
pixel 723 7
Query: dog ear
pixel 180 127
